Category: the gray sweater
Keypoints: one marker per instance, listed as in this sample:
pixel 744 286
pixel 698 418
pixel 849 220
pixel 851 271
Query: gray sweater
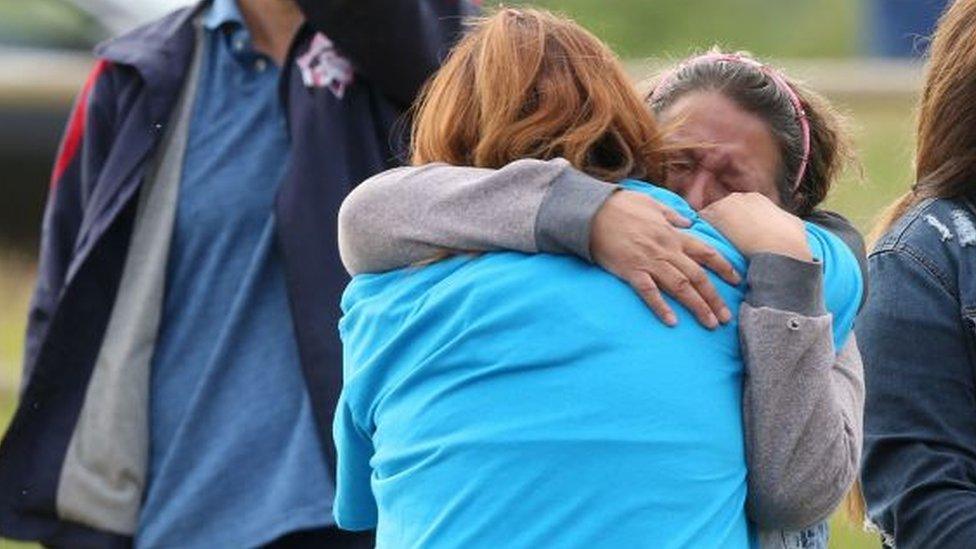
pixel 803 402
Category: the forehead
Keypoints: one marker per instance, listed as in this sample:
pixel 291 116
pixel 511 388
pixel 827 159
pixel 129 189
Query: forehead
pixel 711 118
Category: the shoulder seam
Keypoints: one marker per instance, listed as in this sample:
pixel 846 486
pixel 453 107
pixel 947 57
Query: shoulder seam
pixel 903 224
pixel 75 131
pixel 917 257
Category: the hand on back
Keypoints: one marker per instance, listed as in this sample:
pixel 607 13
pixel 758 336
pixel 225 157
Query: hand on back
pixel 636 238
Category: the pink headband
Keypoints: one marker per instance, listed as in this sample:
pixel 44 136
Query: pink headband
pixel 773 75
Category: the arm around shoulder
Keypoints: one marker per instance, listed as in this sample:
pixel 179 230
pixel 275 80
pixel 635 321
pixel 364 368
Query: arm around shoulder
pixel 411 214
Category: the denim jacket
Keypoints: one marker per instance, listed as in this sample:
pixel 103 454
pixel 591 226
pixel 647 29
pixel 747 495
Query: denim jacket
pixel 813 537
pixel 917 335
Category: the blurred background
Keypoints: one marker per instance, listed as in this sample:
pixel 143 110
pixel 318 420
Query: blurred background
pixel 865 55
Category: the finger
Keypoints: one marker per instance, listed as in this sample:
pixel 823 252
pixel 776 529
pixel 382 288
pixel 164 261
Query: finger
pixel 675 218
pixel 694 273
pixel 644 285
pixel 709 257
pixel 710 212
pixel 676 284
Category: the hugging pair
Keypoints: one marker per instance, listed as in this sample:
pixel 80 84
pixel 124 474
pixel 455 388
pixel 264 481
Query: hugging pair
pixel 527 399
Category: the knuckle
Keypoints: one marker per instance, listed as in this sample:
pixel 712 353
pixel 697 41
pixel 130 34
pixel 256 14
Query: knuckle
pixel 681 284
pixel 712 254
pixel 663 253
pixel 699 278
pixel 646 287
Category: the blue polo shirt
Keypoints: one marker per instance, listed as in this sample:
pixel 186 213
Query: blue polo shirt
pixel 235 459
pixel 527 401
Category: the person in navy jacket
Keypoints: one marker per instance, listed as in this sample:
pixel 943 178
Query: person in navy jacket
pixel 190 227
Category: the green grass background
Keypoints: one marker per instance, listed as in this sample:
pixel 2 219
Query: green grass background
pixel 657 28
pixel 783 28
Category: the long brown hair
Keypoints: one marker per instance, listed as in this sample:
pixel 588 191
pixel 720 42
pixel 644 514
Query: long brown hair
pixel 945 157
pixel 529 84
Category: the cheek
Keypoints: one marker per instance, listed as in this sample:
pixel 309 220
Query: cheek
pixel 762 182
pixel 768 183
pixel 714 194
pixel 675 181
pixel 770 190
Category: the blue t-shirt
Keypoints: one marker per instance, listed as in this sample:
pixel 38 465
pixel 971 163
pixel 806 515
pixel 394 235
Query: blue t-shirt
pixel 512 400
pixel 236 457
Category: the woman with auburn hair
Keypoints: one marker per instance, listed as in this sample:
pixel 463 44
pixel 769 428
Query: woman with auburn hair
pixel 918 330
pixel 548 92
pixel 803 451
pixel 538 391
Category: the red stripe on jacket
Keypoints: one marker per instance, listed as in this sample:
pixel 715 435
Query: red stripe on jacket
pixel 76 125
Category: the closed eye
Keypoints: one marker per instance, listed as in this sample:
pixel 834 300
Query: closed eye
pixel 682 163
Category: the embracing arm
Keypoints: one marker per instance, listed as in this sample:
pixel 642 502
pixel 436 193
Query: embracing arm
pixel 407 215
pixel 802 403
pixel 396 44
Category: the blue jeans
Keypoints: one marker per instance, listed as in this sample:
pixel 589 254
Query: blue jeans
pixel 814 537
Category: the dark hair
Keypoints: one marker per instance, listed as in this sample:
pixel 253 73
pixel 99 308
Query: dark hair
pixel 750 86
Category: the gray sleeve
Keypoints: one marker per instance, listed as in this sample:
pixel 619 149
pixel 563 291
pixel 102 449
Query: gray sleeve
pixel 802 403
pixel 410 214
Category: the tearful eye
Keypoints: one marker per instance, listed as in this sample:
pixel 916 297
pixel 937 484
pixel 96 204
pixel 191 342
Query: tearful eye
pixel 681 165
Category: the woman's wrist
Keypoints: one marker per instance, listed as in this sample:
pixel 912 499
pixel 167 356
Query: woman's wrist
pixel 793 250
pixel 783 282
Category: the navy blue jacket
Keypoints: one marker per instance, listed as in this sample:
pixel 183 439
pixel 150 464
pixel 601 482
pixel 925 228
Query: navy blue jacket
pixel 917 336
pixel 115 127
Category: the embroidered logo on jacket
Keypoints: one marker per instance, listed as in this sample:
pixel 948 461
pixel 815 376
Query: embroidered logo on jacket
pixel 323 67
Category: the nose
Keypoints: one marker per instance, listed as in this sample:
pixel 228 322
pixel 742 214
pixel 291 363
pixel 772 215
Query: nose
pixel 697 188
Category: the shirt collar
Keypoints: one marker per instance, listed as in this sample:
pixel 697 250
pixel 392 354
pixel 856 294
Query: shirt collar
pixel 223 12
